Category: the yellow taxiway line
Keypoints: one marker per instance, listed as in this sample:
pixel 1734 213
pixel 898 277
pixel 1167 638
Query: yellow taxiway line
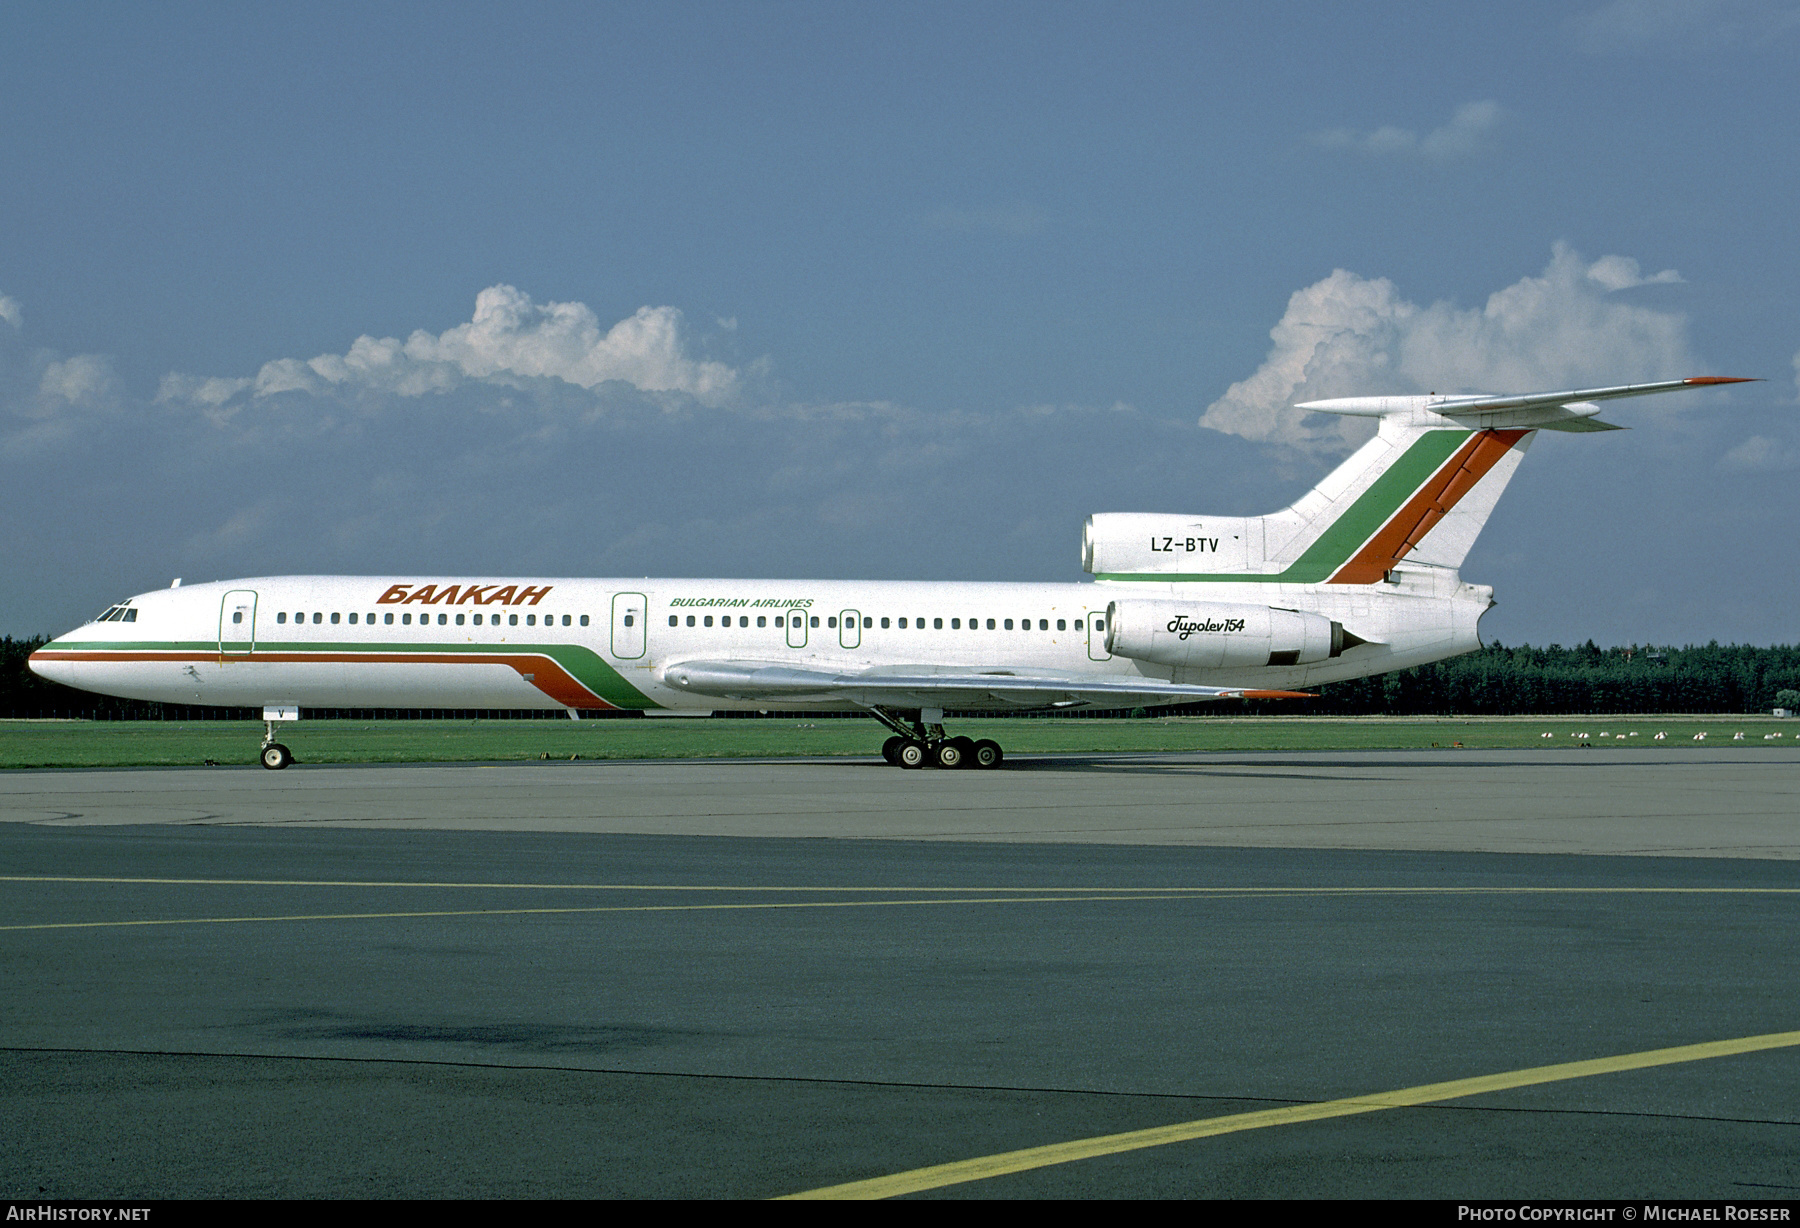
pixel 981 1168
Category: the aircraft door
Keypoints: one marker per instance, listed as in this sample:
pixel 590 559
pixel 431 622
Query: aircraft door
pixel 237 622
pixel 1096 633
pixel 796 628
pixel 630 626
pixel 850 629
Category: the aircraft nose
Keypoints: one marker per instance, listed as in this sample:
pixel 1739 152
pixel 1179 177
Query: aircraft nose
pixel 48 662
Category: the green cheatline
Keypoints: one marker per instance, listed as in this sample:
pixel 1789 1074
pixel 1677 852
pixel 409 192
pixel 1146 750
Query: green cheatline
pixel 1341 538
pixel 583 664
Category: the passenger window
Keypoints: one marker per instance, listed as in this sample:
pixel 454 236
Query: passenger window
pixel 388 618
pixel 690 620
pixel 512 620
pixel 353 618
pixel 956 624
pixel 584 619
pixel 477 620
pixel 990 624
pixel 1062 625
pixel 1043 624
pixel 867 623
pixel 530 620
pixel 281 617
pixel 762 620
pixel 815 620
pixel 334 618
pixel 628 618
pixel 1009 624
pixel 1078 624
pixel 937 624
pixel 406 620
pixel 902 624
pixel 884 623
pixel 778 620
pixel 443 620
pixel 459 619
pixel 1099 624
pixel 673 620
pixel 832 621
pixel 708 620
pixel 237 616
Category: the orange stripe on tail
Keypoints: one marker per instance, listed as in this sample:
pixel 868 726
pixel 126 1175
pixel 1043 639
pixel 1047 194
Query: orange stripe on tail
pixel 1408 527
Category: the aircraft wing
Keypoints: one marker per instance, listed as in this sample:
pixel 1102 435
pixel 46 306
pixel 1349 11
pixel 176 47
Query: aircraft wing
pixel 924 687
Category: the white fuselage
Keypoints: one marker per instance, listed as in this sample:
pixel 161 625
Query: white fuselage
pixel 455 642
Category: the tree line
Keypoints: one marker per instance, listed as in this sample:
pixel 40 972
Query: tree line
pixel 1495 681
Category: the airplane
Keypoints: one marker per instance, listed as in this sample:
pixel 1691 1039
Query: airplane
pixel 1360 576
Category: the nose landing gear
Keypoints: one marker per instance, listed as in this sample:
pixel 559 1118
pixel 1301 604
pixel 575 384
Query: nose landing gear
pixel 274 755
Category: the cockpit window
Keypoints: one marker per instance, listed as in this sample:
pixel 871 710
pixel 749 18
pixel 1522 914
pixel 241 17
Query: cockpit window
pixel 131 614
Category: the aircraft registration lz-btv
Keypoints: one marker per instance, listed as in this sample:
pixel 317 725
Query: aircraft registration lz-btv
pixel 1358 577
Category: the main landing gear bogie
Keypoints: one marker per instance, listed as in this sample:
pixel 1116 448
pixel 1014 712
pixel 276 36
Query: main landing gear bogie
pixel 926 746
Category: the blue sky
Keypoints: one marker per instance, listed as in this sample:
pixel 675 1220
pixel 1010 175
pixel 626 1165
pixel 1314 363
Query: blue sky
pixel 899 291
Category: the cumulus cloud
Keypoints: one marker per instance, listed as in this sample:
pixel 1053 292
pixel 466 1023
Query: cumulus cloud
pixel 1760 454
pixel 44 394
pixel 508 339
pixel 1622 273
pixel 1625 26
pixel 84 380
pixel 1348 335
pixel 1463 134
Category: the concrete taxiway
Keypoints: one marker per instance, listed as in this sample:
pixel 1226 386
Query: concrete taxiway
pixel 1690 803
pixel 754 979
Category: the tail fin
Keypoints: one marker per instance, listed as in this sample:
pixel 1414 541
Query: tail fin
pixel 1421 491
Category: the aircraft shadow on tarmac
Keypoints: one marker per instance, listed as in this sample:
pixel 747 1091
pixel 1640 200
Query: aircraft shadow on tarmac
pixel 1301 766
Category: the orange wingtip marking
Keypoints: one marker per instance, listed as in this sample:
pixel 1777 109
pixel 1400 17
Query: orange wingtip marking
pixel 1723 379
pixel 1278 695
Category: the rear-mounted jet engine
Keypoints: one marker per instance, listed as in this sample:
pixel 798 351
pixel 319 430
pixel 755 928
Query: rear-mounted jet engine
pixel 1215 634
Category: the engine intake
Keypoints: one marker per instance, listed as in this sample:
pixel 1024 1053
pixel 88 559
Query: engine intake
pixel 1216 634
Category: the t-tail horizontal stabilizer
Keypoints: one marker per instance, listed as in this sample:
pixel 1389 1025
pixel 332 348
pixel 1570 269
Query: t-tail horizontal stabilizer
pixel 1572 410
